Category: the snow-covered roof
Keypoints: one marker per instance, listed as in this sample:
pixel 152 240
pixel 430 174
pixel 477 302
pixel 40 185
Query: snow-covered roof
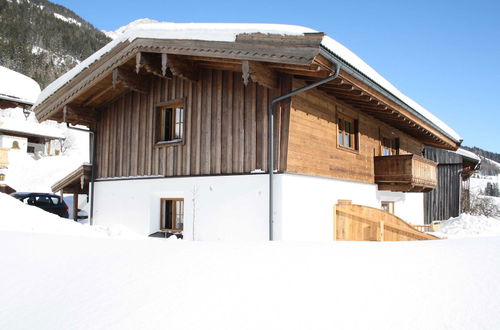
pixel 468 154
pixel 29 128
pixel 228 32
pixel 17 87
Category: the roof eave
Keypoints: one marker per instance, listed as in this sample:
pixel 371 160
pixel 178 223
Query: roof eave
pixel 365 79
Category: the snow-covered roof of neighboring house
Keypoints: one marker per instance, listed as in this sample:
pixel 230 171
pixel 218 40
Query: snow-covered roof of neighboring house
pixel 227 32
pixel 468 154
pixel 18 88
pixel 29 129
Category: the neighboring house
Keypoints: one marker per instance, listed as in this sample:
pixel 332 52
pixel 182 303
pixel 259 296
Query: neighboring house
pixel 16 89
pixel 452 194
pixel 33 138
pixel 181 120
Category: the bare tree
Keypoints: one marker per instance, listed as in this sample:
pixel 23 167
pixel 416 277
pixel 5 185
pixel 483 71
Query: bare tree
pixel 482 205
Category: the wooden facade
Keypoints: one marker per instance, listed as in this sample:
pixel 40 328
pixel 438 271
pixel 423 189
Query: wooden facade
pixel 225 129
pixel 313 147
pixel 226 88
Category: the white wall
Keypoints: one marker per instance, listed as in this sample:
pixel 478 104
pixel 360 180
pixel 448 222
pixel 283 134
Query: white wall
pixel 407 206
pixel 6 141
pixel 236 207
pixel 304 204
pixel 215 207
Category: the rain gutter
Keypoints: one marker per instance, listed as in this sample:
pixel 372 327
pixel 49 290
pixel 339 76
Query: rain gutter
pixel 270 141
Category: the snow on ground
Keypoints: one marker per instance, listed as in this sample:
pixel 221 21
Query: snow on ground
pixel 81 281
pixel 20 217
pixel 467 225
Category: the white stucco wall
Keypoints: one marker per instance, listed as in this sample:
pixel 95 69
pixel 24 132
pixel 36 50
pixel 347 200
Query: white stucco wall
pixel 6 141
pixel 407 206
pixel 236 207
pixel 304 204
pixel 215 207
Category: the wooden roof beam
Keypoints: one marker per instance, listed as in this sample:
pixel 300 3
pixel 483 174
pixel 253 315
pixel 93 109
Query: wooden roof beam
pixel 153 63
pixel 78 115
pixel 182 68
pixel 259 73
pixel 130 80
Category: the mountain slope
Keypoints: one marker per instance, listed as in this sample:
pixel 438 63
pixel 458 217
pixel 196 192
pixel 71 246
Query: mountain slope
pixel 489 161
pixel 43 40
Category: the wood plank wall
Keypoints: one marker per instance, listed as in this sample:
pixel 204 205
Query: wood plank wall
pixel 313 139
pixel 225 128
pixel 443 202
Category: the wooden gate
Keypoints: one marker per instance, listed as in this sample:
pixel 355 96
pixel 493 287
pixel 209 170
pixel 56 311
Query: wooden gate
pixel 362 223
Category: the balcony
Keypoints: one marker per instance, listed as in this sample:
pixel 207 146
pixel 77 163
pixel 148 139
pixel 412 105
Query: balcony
pixel 407 173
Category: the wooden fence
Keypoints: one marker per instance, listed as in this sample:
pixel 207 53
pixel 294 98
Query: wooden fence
pixel 363 223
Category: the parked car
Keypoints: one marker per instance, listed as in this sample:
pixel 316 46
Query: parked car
pixel 49 202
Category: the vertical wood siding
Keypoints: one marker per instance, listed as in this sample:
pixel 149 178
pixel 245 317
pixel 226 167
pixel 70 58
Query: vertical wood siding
pixel 443 202
pixel 225 129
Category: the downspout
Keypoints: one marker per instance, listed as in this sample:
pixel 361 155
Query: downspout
pixel 271 137
pixel 92 158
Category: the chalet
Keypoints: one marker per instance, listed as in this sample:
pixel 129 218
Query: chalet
pixel 244 131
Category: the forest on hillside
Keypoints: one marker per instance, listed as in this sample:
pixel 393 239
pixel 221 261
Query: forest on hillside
pixel 43 40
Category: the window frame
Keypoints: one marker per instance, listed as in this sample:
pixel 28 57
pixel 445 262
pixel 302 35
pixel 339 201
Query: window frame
pixel 390 206
pixel 174 214
pixel 393 145
pixel 159 127
pixel 354 135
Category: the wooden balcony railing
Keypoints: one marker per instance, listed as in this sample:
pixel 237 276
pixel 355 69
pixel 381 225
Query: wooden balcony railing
pixel 4 157
pixel 409 173
pixel 363 223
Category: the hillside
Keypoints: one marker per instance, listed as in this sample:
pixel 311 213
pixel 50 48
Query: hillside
pixel 490 161
pixel 43 40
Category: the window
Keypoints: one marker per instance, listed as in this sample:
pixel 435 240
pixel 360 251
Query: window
pixel 388 207
pixel 31 150
pixel 389 146
pixel 347 136
pixel 170 122
pixel 172 214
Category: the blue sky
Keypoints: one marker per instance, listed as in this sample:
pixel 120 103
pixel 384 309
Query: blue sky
pixel 443 54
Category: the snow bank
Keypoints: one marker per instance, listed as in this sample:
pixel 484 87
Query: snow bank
pixel 20 217
pixel 228 32
pixel 467 225
pixel 18 86
pixel 59 282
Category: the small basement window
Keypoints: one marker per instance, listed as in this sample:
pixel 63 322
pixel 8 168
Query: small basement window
pixel 347 136
pixel 172 214
pixel 170 122
pixel 388 207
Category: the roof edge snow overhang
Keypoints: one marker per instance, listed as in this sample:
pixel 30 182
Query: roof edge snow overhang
pixel 28 134
pixel 16 101
pixel 119 52
pixel 347 67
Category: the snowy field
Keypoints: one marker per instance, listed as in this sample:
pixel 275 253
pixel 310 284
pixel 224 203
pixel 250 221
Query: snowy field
pixel 58 274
